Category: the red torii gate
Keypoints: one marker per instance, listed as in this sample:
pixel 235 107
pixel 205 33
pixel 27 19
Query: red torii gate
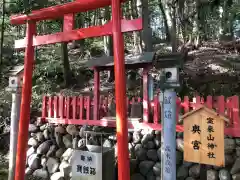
pixel 115 28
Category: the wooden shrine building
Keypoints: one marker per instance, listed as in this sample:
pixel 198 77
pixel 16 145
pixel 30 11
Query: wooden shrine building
pixel 104 63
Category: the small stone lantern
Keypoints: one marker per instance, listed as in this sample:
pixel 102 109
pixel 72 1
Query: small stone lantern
pixel 15 86
pixel 15 78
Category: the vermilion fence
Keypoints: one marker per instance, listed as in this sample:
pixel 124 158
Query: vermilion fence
pixel 80 110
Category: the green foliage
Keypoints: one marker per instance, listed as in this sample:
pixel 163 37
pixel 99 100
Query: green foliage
pixel 48 77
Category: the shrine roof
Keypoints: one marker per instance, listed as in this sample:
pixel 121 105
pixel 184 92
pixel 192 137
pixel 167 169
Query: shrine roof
pixel 16 70
pixel 140 60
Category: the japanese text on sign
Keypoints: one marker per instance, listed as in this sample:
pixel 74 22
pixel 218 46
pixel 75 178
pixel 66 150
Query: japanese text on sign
pixel 87 164
pixel 169 133
pixel 196 144
pixel 88 170
pixel 196 129
pixel 168 114
pixel 211 145
pixel 168 164
pixel 167 100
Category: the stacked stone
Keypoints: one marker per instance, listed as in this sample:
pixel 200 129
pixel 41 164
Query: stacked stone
pixel 147 159
pixel 231 171
pixel 145 155
pixel 51 147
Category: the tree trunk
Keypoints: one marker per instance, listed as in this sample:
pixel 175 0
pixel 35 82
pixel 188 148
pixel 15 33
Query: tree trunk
pixel 79 23
pixel 165 20
pixel 111 76
pixel 108 43
pixel 67 74
pixel 66 66
pixel 174 30
pixel 135 4
pixel 2 32
pixel 201 21
pixel 106 17
pixel 147 31
pixel 183 25
pixel 227 20
pixel 139 14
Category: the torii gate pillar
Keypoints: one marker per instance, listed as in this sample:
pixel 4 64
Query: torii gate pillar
pixel 120 93
pixel 25 103
pixel 119 67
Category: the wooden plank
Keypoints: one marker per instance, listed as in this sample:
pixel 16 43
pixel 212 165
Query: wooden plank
pixel 61 106
pixel 74 107
pixel 55 106
pixel 235 110
pixel 68 22
pixel 44 107
pixel 50 106
pixel 68 104
pixel 88 108
pixel 81 107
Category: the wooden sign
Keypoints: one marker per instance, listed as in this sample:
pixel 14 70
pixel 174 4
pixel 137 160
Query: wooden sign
pixel 204 136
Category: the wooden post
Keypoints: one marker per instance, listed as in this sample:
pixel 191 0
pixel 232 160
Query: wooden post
pixel 68 22
pixel 44 108
pixel 236 112
pixel 96 94
pixel 147 36
pixel 145 96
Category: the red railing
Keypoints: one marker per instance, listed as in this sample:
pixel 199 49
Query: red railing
pixel 80 110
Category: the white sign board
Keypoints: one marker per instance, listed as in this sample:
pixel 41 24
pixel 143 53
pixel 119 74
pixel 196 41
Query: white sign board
pixel 86 165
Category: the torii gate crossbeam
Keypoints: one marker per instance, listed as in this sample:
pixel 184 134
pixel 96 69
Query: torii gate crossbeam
pixel 59 10
pixel 115 28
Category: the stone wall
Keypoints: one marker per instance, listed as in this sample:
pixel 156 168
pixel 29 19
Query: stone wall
pixel 51 147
